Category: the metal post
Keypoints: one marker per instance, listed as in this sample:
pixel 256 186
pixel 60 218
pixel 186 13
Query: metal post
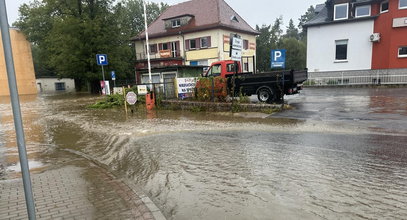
pixel 104 82
pixel 148 45
pixel 15 103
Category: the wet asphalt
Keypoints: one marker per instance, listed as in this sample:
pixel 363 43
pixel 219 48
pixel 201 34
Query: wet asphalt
pixel 339 153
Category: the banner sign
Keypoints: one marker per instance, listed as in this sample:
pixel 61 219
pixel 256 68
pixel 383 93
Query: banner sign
pixel 185 87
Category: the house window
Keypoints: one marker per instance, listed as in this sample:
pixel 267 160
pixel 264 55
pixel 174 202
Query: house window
pixel 192 44
pixel 403 4
pixel 153 48
pixel 362 11
pixel 176 23
pixel 384 7
pixel 165 46
pixel 341 50
pixel 245 44
pixel 341 11
pixel 403 51
pixel 204 42
pixel 246 67
pixel 60 86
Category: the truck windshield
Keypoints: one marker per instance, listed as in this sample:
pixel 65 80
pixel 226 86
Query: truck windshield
pixel 215 70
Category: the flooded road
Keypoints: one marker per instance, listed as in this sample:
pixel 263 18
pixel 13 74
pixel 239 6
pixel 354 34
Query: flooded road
pixel 340 153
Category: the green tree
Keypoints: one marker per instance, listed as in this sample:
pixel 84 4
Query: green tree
pixel 66 36
pixel 296 53
pixel 309 15
pixel 292 31
pixel 268 39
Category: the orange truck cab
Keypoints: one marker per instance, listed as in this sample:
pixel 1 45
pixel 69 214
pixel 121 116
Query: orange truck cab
pixel 222 68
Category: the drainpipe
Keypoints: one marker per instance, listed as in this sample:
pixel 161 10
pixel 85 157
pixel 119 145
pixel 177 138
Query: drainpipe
pixel 183 48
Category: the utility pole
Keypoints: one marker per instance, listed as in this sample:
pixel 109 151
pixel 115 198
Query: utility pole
pixel 15 103
pixel 148 45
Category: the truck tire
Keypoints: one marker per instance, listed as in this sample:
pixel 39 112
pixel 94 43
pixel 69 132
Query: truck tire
pixel 266 95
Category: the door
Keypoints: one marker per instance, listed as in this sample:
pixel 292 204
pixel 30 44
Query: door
pixel 174 49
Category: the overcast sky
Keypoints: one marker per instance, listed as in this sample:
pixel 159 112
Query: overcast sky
pixel 253 11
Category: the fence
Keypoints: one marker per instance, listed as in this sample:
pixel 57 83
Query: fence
pixel 363 77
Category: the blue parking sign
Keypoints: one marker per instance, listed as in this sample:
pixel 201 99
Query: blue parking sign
pixel 101 59
pixel 278 58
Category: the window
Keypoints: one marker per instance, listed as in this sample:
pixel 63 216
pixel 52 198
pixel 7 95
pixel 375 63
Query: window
pixel 341 50
pixel 215 70
pixel 384 7
pixel 341 11
pixel 192 44
pixel 153 48
pixel 204 42
pixel 245 44
pixel 60 86
pixel 362 11
pixel 176 23
pixel 230 68
pixel 246 67
pixel 403 51
pixel 165 46
pixel 403 4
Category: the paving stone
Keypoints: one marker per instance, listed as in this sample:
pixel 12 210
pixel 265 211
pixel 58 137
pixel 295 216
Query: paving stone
pixel 79 191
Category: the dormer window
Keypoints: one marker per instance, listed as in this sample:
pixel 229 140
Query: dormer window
pixel 176 23
pixel 341 11
pixel 362 11
pixel 234 18
pixel 384 7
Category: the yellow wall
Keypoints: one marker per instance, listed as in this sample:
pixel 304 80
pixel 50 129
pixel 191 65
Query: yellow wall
pixel 23 65
pixel 202 54
pixel 218 50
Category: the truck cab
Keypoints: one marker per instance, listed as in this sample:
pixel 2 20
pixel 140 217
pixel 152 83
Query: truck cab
pixel 222 68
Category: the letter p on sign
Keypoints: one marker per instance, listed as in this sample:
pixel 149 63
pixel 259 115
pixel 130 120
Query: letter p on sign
pixel 101 59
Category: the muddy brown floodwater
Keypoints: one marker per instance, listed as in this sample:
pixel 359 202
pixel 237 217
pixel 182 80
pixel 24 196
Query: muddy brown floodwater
pixel 339 154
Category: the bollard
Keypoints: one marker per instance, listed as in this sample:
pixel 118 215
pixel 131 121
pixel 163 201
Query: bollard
pixel 150 101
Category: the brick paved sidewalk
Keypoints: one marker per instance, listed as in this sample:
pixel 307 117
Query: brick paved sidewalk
pixel 79 190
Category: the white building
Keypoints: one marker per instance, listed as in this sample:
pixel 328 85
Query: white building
pixel 51 85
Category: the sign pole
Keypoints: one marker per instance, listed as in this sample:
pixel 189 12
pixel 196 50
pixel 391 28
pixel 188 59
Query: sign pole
pixel 150 81
pixel 15 103
pixel 104 82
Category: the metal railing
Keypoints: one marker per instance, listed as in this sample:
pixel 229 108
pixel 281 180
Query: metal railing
pixel 360 78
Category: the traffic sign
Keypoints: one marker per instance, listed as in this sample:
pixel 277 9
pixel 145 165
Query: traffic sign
pixel 236 47
pixel 131 98
pixel 236 55
pixel 278 58
pixel 101 59
pixel 113 75
pixel 237 43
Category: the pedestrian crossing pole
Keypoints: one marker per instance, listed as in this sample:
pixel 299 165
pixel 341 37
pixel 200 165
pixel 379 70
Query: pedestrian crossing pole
pixel 15 103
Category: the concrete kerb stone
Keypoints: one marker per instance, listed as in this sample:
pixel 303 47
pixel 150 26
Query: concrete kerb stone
pixel 219 106
pixel 155 211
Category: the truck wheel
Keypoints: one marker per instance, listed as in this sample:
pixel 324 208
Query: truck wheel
pixel 266 95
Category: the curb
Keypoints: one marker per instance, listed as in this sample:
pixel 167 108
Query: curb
pixel 155 211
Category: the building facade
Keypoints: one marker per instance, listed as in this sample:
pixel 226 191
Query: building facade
pixel 194 33
pixel 23 64
pixel 355 35
pixel 52 85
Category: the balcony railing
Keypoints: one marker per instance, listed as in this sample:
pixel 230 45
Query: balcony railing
pixel 159 54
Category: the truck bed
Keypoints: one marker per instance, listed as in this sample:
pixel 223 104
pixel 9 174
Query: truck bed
pixel 249 83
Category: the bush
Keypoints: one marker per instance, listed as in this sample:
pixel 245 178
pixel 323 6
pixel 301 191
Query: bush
pixel 215 87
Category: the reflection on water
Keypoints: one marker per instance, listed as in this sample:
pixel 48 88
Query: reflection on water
pixel 215 166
